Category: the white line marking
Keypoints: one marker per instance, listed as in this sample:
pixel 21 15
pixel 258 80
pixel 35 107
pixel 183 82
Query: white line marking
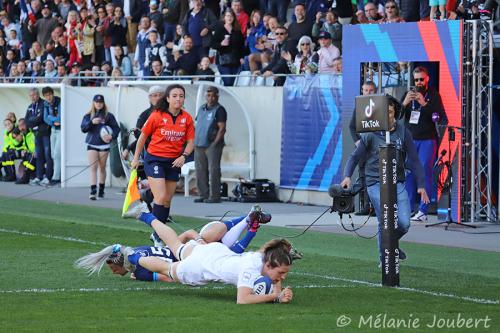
pixel 327 277
pixel 97 290
pixel 414 290
pixel 69 239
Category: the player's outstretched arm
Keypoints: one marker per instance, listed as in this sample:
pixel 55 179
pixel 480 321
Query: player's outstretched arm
pixel 245 295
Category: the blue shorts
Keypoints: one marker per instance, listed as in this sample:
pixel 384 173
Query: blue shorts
pixel 161 167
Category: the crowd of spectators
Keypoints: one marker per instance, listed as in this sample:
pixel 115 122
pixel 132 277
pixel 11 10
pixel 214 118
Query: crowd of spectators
pixel 67 40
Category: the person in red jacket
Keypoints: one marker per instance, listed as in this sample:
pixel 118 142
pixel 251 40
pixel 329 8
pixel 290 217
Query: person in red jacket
pixel 171 130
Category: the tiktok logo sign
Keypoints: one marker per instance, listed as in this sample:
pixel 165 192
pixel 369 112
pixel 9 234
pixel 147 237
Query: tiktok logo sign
pixel 372 113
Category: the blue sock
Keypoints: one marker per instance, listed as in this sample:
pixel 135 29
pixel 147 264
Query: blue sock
pixel 147 218
pixel 241 245
pixel 161 212
pixel 232 222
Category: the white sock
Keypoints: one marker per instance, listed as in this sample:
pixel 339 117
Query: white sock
pixel 234 233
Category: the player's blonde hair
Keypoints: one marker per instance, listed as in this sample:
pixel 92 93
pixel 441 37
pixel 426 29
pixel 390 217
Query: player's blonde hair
pixel 113 254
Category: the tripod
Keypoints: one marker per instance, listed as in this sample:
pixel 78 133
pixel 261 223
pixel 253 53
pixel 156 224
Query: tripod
pixel 449 183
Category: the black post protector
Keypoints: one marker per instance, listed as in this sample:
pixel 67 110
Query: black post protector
pixel 389 215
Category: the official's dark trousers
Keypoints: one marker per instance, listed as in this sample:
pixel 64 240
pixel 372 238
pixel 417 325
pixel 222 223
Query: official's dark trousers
pixel 208 173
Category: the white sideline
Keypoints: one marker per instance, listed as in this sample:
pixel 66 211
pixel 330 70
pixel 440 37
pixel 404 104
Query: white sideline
pixel 69 239
pixel 327 277
pixel 415 290
pixel 97 290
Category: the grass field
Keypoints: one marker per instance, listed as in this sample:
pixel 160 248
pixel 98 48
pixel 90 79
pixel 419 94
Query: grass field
pixel 337 281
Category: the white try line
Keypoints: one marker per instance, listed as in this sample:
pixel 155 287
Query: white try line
pixel 327 277
pixel 414 290
pixel 132 289
pixel 69 239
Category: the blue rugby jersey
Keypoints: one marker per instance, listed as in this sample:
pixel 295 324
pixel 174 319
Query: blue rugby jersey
pixel 164 253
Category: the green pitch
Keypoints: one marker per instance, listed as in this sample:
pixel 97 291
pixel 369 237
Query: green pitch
pixel 335 285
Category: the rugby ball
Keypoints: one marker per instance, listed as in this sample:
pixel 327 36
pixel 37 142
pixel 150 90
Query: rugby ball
pixel 105 130
pixel 263 286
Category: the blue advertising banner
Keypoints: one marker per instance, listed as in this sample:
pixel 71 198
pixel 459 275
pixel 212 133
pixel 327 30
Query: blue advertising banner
pixel 311 145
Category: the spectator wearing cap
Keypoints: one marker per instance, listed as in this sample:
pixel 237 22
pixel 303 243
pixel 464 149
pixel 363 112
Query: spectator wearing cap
pixel 118 31
pixel 52 117
pixel 329 24
pixel 302 26
pixel 327 53
pixel 392 13
pixel 241 15
pixel 229 43
pixel 44 26
pixel 95 124
pixel 306 60
pixel 209 142
pixel 142 44
pixel 155 94
pixel 34 120
pixel 199 23
pixel 345 12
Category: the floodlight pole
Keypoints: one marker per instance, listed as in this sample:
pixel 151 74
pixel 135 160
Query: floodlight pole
pixel 389 243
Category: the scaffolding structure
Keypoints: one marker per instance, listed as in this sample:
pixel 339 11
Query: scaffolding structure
pixel 477 109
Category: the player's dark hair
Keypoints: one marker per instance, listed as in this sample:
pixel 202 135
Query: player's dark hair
pixel 277 252
pixel 163 105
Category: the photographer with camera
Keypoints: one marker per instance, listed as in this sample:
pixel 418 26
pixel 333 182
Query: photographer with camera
pixel 368 148
pixel 422 108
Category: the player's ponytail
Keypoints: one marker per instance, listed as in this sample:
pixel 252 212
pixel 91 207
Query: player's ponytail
pixel 277 252
pixel 93 262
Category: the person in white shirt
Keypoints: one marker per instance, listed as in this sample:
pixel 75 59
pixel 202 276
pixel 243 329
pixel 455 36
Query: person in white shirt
pixel 203 263
pixel 327 53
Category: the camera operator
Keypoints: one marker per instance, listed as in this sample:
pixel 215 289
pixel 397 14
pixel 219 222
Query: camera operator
pixel 421 105
pixel 368 149
pixel 368 88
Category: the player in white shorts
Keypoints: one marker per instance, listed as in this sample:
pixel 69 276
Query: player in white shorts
pixel 214 262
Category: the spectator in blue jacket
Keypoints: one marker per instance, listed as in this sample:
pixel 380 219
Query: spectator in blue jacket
pixel 34 119
pixel 101 128
pixel 52 117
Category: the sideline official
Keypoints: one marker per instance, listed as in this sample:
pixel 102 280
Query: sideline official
pixel 209 143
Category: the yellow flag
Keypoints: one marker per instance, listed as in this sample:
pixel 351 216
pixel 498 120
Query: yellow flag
pixel 132 191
